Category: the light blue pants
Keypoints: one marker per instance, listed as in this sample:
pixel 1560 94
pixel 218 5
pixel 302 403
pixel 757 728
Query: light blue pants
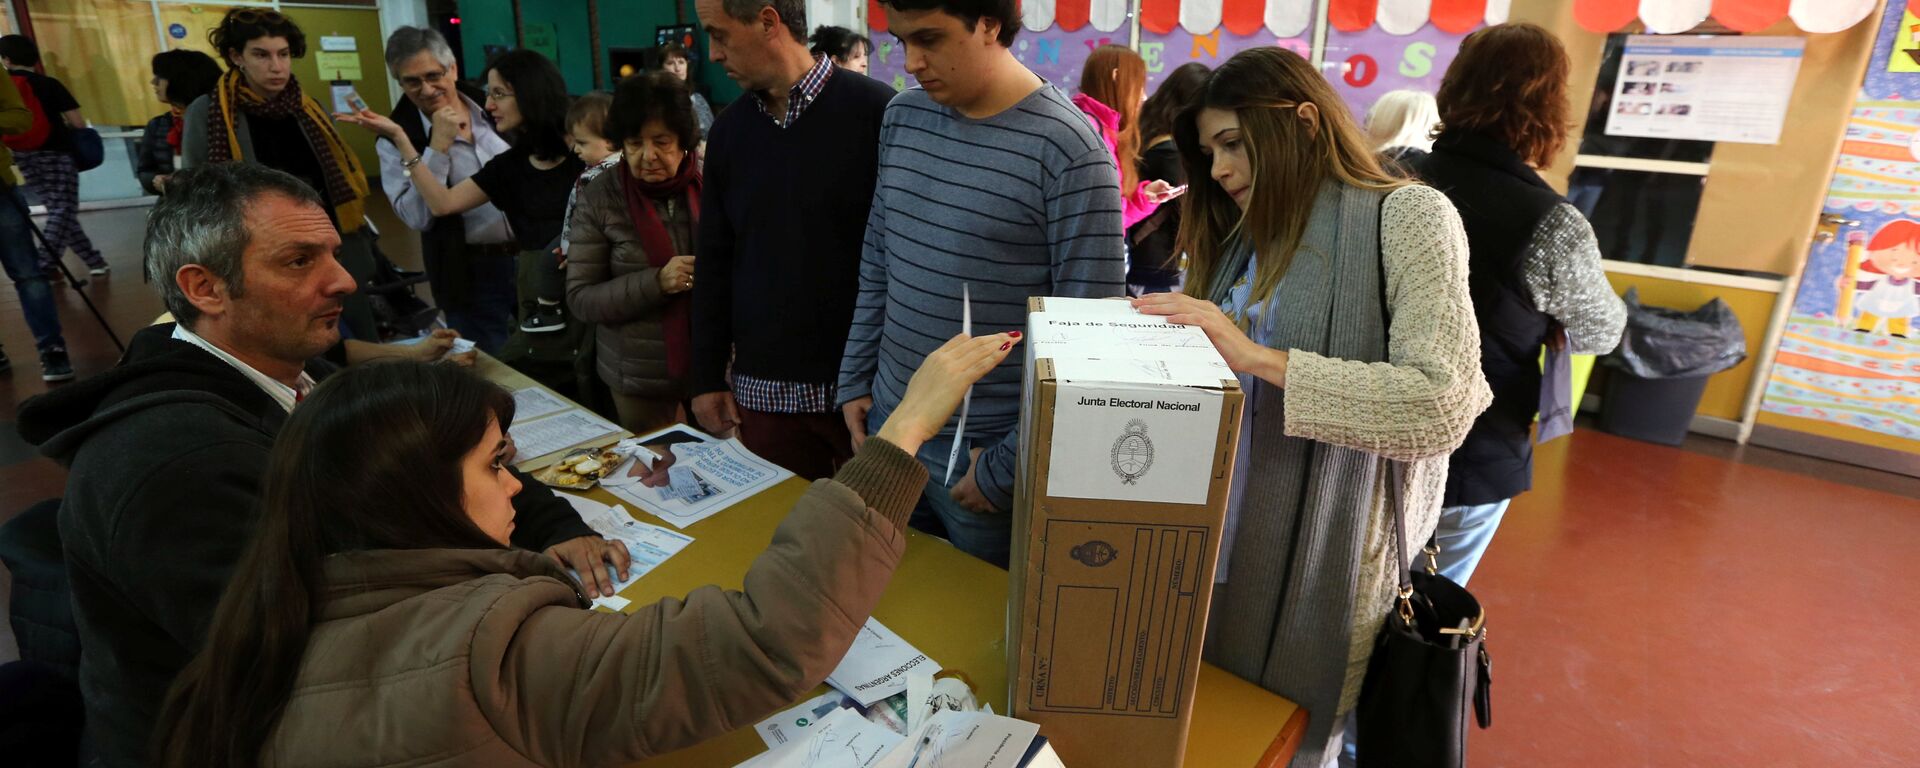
pixel 1463 535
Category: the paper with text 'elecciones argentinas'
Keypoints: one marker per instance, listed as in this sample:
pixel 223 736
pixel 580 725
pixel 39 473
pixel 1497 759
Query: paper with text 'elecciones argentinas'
pixel 877 665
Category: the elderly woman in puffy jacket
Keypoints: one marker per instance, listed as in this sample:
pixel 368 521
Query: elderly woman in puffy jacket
pixel 630 262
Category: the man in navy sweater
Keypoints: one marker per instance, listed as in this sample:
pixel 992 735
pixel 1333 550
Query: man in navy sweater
pixel 787 185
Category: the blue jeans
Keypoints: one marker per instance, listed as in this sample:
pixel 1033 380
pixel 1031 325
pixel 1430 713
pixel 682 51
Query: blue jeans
pixel 22 262
pixel 985 536
pixel 1464 534
pixel 489 315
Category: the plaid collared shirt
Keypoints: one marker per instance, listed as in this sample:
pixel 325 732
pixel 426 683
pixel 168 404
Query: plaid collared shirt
pixel 770 396
pixel 802 94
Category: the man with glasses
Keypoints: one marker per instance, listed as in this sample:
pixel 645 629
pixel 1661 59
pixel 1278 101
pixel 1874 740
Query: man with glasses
pixel 469 256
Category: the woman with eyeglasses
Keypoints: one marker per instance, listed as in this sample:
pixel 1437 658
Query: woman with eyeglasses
pixel 529 182
pixel 380 617
pixel 1338 293
pixel 257 113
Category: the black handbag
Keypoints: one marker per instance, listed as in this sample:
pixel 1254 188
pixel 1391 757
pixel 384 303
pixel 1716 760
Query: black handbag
pixel 1429 665
pixel 88 150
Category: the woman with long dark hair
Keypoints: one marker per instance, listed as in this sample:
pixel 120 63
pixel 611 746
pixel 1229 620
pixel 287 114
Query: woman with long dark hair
pixel 1153 256
pixel 529 182
pixel 1338 293
pixel 379 612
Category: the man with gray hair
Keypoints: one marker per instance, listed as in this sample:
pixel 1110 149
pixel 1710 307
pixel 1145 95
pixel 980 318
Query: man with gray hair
pixel 470 257
pixel 165 451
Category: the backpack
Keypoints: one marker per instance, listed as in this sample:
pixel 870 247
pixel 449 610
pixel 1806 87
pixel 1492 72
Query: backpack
pixel 36 134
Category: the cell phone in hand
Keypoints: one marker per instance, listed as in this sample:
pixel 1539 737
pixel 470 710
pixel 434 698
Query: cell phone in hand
pixel 360 105
pixel 1175 192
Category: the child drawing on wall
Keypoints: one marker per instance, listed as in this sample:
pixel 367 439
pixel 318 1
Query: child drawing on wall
pixel 1880 285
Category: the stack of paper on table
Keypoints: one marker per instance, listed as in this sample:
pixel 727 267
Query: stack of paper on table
pixel 540 437
pixel 707 475
pixel 948 739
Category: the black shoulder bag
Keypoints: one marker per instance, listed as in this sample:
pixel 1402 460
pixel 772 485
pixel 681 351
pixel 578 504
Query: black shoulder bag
pixel 1430 660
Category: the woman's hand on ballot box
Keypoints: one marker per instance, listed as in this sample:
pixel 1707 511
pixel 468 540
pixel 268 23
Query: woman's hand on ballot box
pixel 1242 354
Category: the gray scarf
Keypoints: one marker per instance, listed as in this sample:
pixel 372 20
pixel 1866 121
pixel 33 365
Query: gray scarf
pixel 1285 619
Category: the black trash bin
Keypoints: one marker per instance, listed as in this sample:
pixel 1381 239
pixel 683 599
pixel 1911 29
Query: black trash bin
pixel 1656 377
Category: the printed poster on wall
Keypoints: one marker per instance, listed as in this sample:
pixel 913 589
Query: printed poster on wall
pixel 1706 88
pixel 1849 355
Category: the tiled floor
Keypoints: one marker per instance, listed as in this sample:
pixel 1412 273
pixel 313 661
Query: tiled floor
pixel 1699 606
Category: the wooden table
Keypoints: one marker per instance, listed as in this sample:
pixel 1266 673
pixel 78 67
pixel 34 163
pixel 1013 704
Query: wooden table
pixel 947 603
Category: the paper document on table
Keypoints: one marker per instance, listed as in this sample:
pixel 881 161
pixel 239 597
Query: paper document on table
pixel 953 739
pixel 843 739
pixel 704 479
pixel 793 723
pixel 647 545
pixel 877 665
pixel 966 403
pixel 551 434
pixel 459 345
pixel 535 402
pixel 646 449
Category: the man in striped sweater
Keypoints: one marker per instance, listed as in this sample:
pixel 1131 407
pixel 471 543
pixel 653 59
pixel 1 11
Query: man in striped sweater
pixel 989 178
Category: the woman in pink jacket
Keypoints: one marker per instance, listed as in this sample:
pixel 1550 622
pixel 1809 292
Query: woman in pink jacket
pixel 1112 86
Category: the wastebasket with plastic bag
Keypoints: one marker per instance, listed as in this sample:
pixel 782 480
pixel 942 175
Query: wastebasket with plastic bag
pixel 1657 375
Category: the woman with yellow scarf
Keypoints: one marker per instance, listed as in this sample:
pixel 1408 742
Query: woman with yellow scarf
pixel 258 114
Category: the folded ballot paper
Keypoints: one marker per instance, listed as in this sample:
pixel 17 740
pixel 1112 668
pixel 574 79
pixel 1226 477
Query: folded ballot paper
pixel 878 665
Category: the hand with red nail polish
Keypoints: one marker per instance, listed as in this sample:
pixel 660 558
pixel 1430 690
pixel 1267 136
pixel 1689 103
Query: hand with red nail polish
pixel 936 388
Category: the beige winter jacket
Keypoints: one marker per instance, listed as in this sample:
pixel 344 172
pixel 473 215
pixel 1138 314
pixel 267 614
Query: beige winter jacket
pixel 488 658
pixel 610 285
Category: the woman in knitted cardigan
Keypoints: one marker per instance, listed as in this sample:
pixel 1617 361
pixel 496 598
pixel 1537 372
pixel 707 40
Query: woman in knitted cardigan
pixel 1338 293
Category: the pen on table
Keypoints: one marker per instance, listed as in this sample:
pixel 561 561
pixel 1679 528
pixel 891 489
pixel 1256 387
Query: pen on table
pixel 924 741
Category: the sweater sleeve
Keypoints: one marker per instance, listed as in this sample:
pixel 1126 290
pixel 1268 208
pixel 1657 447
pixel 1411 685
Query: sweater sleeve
pixel 713 293
pixel 1083 228
pixel 681 671
pixel 1564 275
pixel 193 136
pixel 1421 402
pixel 861 360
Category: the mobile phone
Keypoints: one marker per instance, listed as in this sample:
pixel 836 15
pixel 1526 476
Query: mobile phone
pixel 360 105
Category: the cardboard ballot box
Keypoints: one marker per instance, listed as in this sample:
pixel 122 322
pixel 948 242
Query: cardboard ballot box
pixel 1127 437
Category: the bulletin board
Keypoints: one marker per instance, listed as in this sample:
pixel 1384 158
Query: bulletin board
pixel 1848 362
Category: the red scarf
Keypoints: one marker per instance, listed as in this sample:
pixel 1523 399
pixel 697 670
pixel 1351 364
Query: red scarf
pixel 174 133
pixel 657 242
